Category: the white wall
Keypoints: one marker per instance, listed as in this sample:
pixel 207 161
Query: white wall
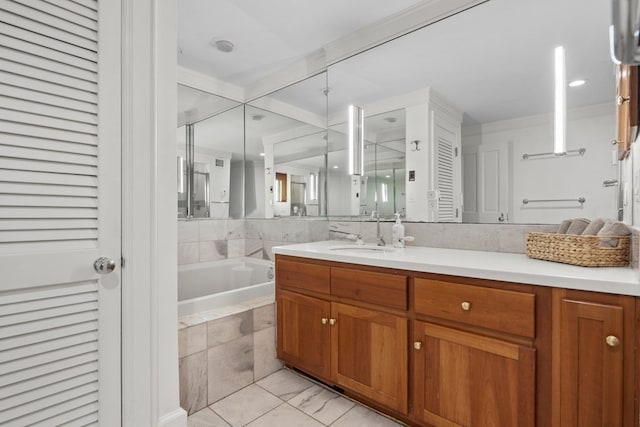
pixel 556 177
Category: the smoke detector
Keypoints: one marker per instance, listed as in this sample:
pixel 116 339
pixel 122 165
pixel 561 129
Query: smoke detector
pixel 223 45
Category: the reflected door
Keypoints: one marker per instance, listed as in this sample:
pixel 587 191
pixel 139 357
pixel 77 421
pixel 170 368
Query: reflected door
pixel 486 183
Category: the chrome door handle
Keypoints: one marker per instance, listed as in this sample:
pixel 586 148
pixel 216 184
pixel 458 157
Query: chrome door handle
pixel 501 217
pixel 104 265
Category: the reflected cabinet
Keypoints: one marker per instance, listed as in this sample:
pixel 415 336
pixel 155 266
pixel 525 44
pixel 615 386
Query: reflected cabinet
pixel 436 350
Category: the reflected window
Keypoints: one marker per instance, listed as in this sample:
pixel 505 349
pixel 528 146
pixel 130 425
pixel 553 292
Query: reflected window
pixel 281 187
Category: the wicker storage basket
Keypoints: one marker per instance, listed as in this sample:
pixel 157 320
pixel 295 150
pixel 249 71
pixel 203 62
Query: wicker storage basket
pixel 578 250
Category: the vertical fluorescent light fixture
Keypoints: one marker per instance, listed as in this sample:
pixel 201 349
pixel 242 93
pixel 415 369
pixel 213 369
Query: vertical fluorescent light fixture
pixel 313 186
pixel 560 114
pixel 356 140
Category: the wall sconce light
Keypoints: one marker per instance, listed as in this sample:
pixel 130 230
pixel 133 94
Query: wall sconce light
pixel 356 140
pixel 417 145
pixel 560 111
pixel 313 186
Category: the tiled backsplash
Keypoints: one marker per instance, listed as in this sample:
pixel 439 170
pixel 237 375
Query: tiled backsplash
pixel 207 240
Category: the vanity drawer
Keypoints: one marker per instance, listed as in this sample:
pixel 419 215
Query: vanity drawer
pixel 302 275
pixel 505 311
pixel 388 290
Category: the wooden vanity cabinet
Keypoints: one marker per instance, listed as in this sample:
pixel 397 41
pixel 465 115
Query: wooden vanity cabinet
pixel 594 359
pixel 463 376
pixel 342 325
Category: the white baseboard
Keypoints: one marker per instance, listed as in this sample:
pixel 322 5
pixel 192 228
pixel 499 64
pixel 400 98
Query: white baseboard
pixel 177 418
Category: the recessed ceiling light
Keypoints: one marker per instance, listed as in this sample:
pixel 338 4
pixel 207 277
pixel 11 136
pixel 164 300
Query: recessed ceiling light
pixel 576 83
pixel 390 119
pixel 222 45
pixel 335 166
pixel 257 117
pixel 387 176
pixel 262 154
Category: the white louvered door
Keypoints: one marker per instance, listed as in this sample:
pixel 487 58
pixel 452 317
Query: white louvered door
pixel 447 170
pixel 60 201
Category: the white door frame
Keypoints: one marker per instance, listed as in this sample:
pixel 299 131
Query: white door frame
pixel 149 228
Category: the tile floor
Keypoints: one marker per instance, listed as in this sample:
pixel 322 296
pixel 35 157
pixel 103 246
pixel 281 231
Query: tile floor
pixel 287 399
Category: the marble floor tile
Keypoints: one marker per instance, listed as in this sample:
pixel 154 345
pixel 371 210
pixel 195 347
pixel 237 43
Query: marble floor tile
pixel 206 418
pixel 284 415
pixel 246 405
pixel 285 384
pixel 360 416
pixel 230 368
pixel 193 382
pixel 322 404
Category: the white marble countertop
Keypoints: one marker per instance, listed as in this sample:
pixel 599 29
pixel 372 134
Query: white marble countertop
pixel 479 264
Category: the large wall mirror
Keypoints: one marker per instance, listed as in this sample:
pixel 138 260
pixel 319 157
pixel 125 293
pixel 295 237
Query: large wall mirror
pixel 210 153
pixel 459 118
pixel 286 145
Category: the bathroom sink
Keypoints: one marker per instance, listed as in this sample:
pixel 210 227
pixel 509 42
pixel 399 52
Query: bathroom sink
pixel 362 248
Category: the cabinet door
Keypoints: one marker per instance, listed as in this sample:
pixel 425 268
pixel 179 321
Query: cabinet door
pixel 369 354
pixel 590 359
pixel 464 379
pixel 304 337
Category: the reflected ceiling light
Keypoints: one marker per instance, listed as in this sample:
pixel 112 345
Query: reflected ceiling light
pixel 390 119
pixel 335 166
pixel 257 117
pixel 387 176
pixel 356 140
pixel 577 83
pixel 223 45
pixel 262 154
pixel 560 110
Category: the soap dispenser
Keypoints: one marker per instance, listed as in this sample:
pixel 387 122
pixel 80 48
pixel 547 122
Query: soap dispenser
pixel 397 232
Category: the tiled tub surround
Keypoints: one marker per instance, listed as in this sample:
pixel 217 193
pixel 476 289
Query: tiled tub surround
pixel 224 350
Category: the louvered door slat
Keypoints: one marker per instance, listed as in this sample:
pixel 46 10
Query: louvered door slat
pixel 47 178
pixel 48 144
pixel 63 13
pixel 62 102
pixel 52 156
pixel 77 8
pixel 53 213
pixel 45 87
pixel 444 176
pixel 46 190
pixel 45 74
pixel 54 46
pixel 51 378
pixel 76 33
pixel 60 130
pixel 44 391
pixel 40 371
pixel 91 4
pixel 43 409
pixel 43 166
pixel 74 65
pixel 47 302
pixel 80 417
pixel 45 110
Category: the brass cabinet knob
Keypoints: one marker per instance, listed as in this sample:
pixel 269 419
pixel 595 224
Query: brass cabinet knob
pixel 324 320
pixel 332 322
pixel 614 141
pixel 612 341
pixel 622 99
pixel 466 306
pixel 417 345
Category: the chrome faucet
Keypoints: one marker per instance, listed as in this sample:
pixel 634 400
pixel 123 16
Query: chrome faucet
pixel 379 239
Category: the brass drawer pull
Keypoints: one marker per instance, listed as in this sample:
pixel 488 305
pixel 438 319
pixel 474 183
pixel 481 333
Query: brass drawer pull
pixel 466 306
pixel 612 341
pixel 417 345
pixel 332 322
pixel 324 320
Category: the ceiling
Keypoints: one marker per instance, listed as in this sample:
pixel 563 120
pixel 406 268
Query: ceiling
pixel 268 35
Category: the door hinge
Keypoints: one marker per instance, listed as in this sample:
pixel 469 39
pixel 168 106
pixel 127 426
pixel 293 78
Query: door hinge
pixel 457 212
pixel 455 151
pixel 122 262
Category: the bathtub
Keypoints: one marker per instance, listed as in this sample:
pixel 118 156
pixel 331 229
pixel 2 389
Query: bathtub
pixel 216 284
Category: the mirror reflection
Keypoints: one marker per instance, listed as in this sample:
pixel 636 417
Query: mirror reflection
pixel 477 95
pixel 286 134
pixel 210 150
